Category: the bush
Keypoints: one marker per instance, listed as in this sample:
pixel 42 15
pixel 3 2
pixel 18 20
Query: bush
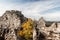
pixel 27 30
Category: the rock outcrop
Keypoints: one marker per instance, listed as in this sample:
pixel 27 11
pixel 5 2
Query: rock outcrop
pixel 47 30
pixel 9 22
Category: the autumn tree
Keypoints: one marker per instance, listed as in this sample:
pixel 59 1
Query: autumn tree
pixel 27 30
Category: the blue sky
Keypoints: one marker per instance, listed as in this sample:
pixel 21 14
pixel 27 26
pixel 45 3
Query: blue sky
pixel 49 9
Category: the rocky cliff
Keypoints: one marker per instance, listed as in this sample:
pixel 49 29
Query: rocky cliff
pixel 15 26
pixel 47 30
pixel 10 22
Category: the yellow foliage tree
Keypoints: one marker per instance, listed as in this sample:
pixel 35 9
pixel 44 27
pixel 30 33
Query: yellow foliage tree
pixel 27 30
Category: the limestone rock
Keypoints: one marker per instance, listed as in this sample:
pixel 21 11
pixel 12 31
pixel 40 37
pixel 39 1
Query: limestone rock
pixel 48 30
pixel 34 34
pixel 10 21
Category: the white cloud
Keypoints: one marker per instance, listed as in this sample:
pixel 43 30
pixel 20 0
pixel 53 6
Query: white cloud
pixel 32 9
pixel 35 9
pixel 55 16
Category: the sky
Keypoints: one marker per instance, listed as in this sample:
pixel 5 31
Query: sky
pixel 49 9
